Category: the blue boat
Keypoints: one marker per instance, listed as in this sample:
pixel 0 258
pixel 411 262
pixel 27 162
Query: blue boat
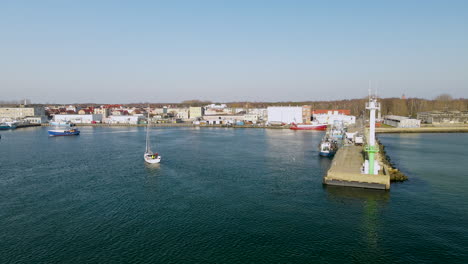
pixel 66 132
pixel 8 125
pixel 328 148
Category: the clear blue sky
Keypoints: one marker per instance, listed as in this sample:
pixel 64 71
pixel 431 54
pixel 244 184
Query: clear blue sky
pixel 169 51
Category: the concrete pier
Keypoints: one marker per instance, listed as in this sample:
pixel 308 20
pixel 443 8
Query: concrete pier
pixel 441 129
pixel 346 171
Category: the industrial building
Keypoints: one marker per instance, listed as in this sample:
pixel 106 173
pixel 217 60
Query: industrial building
pixel 133 120
pixel 401 121
pixel 223 119
pixel 285 114
pixel 443 117
pixel 36 113
pixel 79 119
pixel 330 116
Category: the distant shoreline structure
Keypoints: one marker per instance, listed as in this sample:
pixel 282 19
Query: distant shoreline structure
pixel 424 129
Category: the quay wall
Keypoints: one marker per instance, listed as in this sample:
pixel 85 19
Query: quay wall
pixel 27 125
pixel 346 171
pixel 446 129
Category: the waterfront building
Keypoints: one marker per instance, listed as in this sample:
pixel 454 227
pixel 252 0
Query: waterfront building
pixel 102 111
pixel 254 118
pixel 36 119
pixel 262 113
pixel 21 112
pixel 214 109
pixel 401 121
pixel 330 116
pixel 306 114
pixel 223 119
pixel 123 119
pixel 78 119
pixel 196 112
pixel 180 113
pixel 443 117
pixel 34 113
pixel 284 114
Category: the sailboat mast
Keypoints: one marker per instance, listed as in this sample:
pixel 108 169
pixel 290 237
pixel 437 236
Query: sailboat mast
pixel 147 133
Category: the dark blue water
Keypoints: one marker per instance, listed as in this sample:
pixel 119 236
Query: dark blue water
pixel 224 196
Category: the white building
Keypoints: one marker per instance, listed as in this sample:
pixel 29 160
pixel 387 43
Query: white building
pixel 401 121
pixel 196 112
pixel 79 119
pixel 103 111
pixel 123 119
pixel 181 113
pixel 330 119
pixel 215 106
pixel 71 108
pixel 223 119
pixel 214 109
pixel 36 119
pixel 285 114
pixel 254 118
pixel 262 113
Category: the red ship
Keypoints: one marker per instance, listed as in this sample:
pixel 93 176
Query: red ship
pixel 312 126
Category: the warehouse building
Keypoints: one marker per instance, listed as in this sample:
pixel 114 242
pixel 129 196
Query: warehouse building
pixel 223 119
pixel 401 121
pixel 444 117
pixel 284 114
pixel 79 119
pixel 123 119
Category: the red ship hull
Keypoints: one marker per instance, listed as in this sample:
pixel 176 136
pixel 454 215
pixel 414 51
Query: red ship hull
pixel 308 127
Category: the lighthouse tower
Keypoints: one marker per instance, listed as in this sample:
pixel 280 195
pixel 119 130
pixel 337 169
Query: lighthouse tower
pixel 371 147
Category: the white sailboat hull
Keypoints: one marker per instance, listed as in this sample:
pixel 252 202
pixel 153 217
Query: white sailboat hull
pixel 151 160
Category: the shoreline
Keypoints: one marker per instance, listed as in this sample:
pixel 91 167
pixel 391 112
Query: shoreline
pixel 176 125
pixel 447 129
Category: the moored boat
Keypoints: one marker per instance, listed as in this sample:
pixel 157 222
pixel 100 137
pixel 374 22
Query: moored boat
pixel 64 132
pixel 328 148
pixel 8 125
pixel 312 126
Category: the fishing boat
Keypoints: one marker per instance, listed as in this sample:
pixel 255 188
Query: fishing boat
pixel 311 126
pixel 8 125
pixel 150 156
pixel 64 132
pixel 328 148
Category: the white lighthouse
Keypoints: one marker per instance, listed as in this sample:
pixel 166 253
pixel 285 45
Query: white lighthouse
pixel 370 166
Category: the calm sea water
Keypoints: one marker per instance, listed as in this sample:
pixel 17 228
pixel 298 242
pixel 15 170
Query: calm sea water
pixel 224 196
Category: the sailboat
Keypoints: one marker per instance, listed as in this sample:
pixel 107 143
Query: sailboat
pixel 149 156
